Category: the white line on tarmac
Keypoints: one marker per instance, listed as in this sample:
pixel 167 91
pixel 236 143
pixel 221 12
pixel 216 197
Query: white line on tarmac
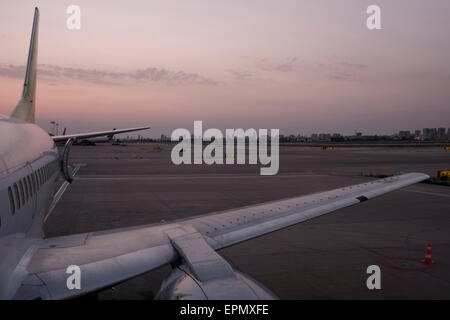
pixel 220 176
pixel 199 176
pixel 430 193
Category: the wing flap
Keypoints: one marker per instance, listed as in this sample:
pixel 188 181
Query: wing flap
pixel 104 258
pixel 102 273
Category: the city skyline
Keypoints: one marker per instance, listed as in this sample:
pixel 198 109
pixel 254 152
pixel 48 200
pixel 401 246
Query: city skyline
pixel 56 128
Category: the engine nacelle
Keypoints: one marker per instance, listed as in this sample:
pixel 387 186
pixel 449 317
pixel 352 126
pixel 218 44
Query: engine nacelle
pixel 182 285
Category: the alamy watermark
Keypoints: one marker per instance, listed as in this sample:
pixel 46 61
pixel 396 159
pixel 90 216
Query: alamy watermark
pixel 213 153
pixel 74 20
pixel 374 280
pixel 74 279
pixel 373 22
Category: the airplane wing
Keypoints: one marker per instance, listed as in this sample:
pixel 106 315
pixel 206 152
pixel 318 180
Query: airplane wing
pixel 109 257
pixel 95 134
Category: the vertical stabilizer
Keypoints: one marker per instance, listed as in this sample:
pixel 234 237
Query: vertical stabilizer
pixel 25 108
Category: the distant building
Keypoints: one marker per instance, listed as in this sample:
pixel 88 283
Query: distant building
pixel 337 137
pixel 429 134
pixel 441 134
pixel 405 135
pixel 417 135
pixel 324 137
pixel 164 138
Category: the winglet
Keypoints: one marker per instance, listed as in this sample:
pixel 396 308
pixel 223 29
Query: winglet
pixel 25 108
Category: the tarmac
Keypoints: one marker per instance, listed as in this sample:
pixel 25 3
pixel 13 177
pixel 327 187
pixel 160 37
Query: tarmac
pixel 324 258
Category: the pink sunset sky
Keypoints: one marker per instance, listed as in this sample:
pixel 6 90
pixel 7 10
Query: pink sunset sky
pixel 301 66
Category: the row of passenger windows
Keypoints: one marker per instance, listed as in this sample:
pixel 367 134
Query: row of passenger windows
pixel 23 190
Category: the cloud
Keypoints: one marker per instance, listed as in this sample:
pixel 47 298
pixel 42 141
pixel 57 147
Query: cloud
pixel 341 71
pixel 355 65
pixel 288 65
pixel 341 75
pixel 330 69
pixel 11 71
pixel 146 75
pixel 241 75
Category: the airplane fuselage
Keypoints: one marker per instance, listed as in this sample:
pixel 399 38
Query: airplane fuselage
pixel 93 141
pixel 29 175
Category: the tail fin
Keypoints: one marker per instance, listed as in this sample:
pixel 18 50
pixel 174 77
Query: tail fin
pixel 25 108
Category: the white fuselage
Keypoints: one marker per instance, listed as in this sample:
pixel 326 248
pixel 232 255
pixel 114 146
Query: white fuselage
pixel 103 139
pixel 94 140
pixel 29 175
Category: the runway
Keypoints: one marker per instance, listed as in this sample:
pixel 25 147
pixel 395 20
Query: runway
pixel 325 258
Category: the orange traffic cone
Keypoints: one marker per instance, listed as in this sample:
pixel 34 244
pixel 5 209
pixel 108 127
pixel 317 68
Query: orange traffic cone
pixel 428 259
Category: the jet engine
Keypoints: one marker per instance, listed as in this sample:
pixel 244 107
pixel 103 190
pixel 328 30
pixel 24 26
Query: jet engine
pixel 183 285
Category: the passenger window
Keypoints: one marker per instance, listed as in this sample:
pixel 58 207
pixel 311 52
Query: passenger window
pixel 16 193
pixel 22 194
pixel 30 185
pixel 33 183
pixel 25 186
pixel 36 179
pixel 11 201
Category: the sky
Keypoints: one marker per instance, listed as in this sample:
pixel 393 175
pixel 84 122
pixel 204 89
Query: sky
pixel 301 66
